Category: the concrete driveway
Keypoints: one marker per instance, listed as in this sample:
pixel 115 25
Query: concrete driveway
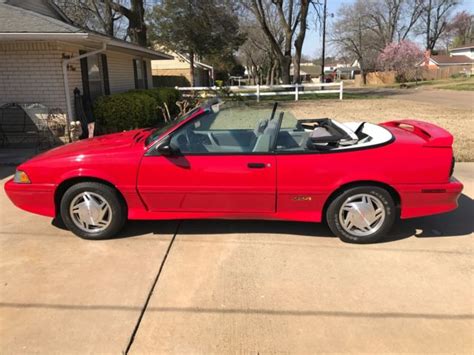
pixel 237 287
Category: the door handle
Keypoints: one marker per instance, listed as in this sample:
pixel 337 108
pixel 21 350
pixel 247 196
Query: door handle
pixel 256 165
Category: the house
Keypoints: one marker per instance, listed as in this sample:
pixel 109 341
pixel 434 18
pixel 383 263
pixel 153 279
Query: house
pixel 304 76
pixel 467 51
pixel 440 61
pixel 347 73
pixel 179 65
pixel 44 56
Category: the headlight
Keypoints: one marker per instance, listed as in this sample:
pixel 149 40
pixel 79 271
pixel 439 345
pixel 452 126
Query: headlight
pixel 21 177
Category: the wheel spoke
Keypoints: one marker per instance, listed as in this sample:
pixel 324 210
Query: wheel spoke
pixel 362 214
pixel 90 212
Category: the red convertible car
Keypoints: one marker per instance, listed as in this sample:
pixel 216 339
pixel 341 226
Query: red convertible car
pixel 230 161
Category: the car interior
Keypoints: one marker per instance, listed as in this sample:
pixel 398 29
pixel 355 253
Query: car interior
pixel 319 135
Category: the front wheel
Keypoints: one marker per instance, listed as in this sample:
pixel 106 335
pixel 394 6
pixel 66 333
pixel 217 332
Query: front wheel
pixel 93 210
pixel 363 214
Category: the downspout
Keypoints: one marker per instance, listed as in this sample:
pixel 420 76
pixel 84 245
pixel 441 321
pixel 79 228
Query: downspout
pixel 65 63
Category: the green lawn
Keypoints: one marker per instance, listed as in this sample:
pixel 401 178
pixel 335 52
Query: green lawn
pixel 467 85
pixel 313 97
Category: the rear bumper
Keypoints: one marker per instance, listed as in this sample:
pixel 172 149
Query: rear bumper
pixel 34 198
pixel 428 199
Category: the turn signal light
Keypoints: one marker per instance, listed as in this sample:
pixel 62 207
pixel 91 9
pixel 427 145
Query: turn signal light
pixel 21 177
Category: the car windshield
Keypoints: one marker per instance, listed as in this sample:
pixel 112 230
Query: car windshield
pixel 230 127
pixel 159 131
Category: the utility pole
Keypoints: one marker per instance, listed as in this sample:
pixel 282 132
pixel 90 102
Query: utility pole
pixel 324 42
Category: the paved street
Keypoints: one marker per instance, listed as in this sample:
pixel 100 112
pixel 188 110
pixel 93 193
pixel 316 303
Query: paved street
pixel 237 287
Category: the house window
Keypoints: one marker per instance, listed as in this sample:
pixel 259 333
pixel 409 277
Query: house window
pixel 95 76
pixel 94 73
pixel 140 74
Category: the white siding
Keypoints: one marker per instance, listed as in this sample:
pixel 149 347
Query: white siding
pixel 31 72
pixel 120 72
pixel 468 52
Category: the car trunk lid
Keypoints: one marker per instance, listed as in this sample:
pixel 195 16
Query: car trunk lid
pixel 434 136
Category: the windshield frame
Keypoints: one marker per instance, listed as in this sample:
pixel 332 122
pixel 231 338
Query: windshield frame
pixel 158 133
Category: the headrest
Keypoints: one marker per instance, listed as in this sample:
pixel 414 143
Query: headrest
pixel 262 124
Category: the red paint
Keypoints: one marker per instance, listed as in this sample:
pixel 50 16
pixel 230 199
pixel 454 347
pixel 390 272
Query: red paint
pixel 290 186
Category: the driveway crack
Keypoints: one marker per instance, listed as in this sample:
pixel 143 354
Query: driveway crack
pixel 150 293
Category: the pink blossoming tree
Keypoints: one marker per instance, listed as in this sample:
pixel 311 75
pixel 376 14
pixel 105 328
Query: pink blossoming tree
pixel 403 57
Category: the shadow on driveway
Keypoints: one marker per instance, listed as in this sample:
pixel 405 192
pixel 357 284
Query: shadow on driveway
pixel 6 171
pixel 453 224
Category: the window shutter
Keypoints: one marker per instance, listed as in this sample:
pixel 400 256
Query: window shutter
pixel 145 74
pixel 85 76
pixel 135 74
pixel 105 74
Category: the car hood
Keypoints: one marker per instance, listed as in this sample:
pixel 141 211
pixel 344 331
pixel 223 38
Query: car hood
pixel 110 143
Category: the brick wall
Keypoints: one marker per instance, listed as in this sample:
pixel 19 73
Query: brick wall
pixel 173 72
pixel 201 76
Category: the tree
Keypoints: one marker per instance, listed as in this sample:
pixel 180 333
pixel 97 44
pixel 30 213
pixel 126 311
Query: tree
pixel 137 29
pixel 288 14
pixel 461 29
pixel 257 56
pixel 352 34
pixel 402 57
pixel 365 28
pixel 96 15
pixel 92 14
pixel 435 17
pixel 196 28
pixel 304 8
pixel 392 20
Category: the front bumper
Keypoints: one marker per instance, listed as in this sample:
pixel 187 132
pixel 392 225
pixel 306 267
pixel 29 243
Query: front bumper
pixel 34 198
pixel 427 199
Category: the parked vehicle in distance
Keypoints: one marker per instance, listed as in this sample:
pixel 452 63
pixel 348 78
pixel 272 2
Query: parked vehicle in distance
pixel 231 161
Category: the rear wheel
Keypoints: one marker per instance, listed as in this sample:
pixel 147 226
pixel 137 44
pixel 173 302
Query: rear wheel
pixel 93 210
pixel 363 214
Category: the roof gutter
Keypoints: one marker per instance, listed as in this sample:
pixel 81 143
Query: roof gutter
pixel 80 36
pixel 25 36
pixel 65 63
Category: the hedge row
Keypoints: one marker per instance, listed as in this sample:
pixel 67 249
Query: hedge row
pixel 134 109
pixel 170 81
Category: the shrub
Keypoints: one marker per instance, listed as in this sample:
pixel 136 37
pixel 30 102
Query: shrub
pixel 170 81
pixel 126 111
pixel 135 109
pixel 162 95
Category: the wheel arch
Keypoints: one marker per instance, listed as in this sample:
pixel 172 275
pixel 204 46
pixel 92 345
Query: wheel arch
pixel 66 184
pixel 390 189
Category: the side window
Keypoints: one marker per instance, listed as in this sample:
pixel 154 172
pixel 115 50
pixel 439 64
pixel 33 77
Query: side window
pixel 140 74
pixel 226 131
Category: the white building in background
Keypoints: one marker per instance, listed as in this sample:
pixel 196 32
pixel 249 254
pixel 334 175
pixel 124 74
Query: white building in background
pixel 467 51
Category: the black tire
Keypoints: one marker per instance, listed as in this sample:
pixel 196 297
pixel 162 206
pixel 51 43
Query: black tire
pixel 334 223
pixel 118 209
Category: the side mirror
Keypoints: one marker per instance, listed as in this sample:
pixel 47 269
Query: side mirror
pixel 166 148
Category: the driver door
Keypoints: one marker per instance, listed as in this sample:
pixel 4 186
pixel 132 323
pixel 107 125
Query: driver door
pixel 213 169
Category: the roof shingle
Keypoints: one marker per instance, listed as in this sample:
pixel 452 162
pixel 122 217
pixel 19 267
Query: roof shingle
pixel 17 20
pixel 455 59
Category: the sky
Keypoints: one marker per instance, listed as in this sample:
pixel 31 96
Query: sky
pixel 312 44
